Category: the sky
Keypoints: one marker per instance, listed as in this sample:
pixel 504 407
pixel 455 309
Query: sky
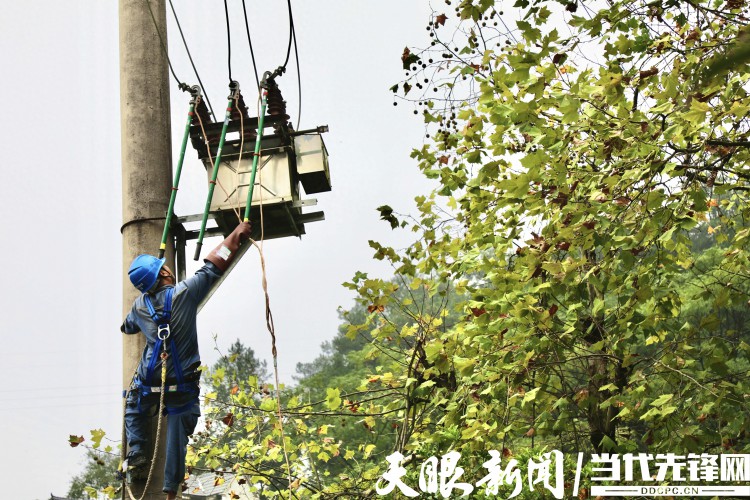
pixel 61 200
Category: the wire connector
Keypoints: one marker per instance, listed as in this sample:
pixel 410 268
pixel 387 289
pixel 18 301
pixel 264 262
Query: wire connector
pixel 234 90
pixel 268 77
pixel 195 92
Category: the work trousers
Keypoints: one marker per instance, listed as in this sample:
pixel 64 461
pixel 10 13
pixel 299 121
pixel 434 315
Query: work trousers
pixel 183 412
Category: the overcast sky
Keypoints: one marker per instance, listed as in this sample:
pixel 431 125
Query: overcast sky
pixel 61 200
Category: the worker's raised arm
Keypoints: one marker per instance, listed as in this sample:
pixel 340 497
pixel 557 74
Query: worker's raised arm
pixel 217 262
pixel 223 255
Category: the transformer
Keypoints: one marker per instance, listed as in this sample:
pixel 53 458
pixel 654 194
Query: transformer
pixel 290 162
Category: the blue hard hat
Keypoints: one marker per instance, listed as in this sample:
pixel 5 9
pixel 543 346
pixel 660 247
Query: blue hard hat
pixel 144 271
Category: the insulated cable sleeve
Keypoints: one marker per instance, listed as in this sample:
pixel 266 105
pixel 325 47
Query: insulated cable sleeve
pixel 141 219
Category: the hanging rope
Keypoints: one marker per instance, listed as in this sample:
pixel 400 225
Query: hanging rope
pixel 270 326
pixel 272 331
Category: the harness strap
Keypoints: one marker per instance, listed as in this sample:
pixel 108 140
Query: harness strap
pixel 152 364
pixel 176 363
pixel 189 387
pixel 162 321
pixel 180 409
pixel 166 314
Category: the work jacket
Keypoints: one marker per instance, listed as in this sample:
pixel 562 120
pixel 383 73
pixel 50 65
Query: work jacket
pixel 186 297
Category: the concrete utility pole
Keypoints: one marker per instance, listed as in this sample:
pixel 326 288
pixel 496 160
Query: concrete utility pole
pixel 146 164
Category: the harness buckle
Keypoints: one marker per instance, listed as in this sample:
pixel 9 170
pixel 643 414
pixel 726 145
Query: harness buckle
pixel 163 332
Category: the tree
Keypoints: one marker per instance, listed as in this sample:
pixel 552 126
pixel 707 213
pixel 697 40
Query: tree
pixel 361 361
pixel 576 149
pixel 348 403
pixel 592 170
pixel 98 477
pixel 238 367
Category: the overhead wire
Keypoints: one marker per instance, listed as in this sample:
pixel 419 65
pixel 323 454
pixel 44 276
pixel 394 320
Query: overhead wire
pixel 249 41
pixel 55 405
pixel 291 33
pixel 182 86
pixel 67 387
pixel 111 394
pixel 296 57
pixel 184 42
pixel 293 41
pixel 229 42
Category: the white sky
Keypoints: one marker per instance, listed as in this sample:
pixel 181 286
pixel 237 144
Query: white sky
pixel 61 200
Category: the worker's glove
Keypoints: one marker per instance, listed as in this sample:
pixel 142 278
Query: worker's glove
pixel 223 255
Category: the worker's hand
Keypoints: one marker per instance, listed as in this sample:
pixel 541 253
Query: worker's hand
pixel 244 229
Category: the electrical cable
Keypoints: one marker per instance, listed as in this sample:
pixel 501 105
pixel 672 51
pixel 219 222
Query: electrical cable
pixel 229 42
pixel 291 34
pixel 110 394
pixel 252 53
pixel 182 86
pixel 293 39
pixel 299 77
pixel 56 405
pixel 184 42
pixel 64 388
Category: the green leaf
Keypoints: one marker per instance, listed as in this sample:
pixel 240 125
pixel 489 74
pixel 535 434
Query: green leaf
pixel 697 112
pixel 530 395
pixel 96 437
pixel 333 398
pixel 662 399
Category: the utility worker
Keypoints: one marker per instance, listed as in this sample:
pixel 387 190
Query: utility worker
pixel 166 314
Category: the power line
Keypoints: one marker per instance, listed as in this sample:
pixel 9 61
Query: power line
pixel 184 42
pixel 291 34
pixel 229 43
pixel 299 77
pixel 87 395
pixel 44 407
pixel 64 388
pixel 180 84
pixel 252 53
pixel 293 39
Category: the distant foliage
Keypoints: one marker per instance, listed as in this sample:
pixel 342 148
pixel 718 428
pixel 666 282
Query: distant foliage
pixel 98 479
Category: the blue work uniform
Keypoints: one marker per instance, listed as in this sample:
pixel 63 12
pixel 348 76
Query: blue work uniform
pixel 182 406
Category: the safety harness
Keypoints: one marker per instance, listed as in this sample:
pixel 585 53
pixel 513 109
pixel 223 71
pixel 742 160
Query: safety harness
pixel 163 336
